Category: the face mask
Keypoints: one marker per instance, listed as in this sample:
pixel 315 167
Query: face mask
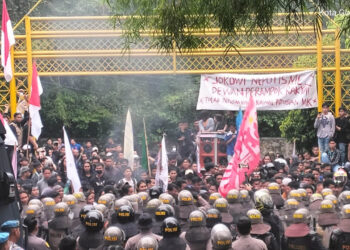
pixel 99 171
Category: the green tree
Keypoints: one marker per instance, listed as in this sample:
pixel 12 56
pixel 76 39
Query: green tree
pixel 178 20
pixel 299 126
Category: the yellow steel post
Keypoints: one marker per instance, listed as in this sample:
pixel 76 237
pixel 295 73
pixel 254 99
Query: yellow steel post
pixel 337 86
pixel 13 90
pixel 319 70
pixel 174 56
pixel 29 52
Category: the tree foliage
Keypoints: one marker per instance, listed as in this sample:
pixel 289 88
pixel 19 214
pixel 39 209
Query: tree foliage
pixel 299 126
pixel 178 20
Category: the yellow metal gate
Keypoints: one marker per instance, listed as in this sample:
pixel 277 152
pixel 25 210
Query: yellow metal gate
pixel 75 46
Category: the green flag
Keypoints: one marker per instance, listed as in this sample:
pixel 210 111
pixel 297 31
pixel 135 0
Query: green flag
pixel 144 157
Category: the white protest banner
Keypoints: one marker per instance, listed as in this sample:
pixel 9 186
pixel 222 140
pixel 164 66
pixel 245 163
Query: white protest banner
pixel 271 91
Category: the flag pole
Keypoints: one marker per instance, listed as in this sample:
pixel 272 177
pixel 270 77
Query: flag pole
pixel 29 129
pixel 144 131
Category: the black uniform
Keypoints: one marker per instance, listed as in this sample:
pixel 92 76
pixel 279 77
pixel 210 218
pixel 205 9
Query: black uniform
pixel 339 240
pixel 172 243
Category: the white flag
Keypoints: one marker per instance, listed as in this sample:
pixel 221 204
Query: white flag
pixel 162 168
pixel 10 138
pixel 72 173
pixel 129 141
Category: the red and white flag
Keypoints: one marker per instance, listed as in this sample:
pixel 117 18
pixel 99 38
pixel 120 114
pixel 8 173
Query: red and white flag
pixel 247 152
pixel 34 103
pixel 7 40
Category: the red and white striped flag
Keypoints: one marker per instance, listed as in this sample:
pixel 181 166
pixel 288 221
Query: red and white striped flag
pixel 7 40
pixel 247 152
pixel 34 103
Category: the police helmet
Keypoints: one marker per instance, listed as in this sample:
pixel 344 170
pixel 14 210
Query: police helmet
pixel 213 217
pixel 255 216
pixel 33 210
pixel 327 206
pixel 93 220
pixel 221 237
pixel 167 199
pixel 344 198
pixel 170 227
pixel 114 236
pixel 291 204
pixel 345 211
pixel 80 196
pixel 84 211
pixel 274 188
pixel 332 198
pixel 144 197
pixel 197 219
pixel 233 196
pixel 326 191
pixel 185 198
pixel 221 204
pixel 302 215
pixel 244 194
pixel 263 200
pixel 315 197
pixel 125 214
pixel 164 211
pixel 147 242
pixel 213 197
pixel 295 194
pixel 103 209
pixel 61 209
pixel 121 202
pixel 70 200
pixel 36 202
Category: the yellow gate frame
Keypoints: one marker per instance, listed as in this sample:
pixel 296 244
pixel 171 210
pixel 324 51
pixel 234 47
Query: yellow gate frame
pixel 77 46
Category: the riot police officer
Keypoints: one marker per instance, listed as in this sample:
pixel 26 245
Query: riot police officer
pixel 163 211
pixel 246 200
pixel 299 236
pixel 213 217
pixel 261 230
pixel 275 192
pixel 290 206
pixel 264 203
pixel 81 228
pixel 340 238
pixel 125 220
pixel 221 204
pixel 60 225
pixel 221 238
pixel 186 206
pixel 315 203
pixel 327 220
pixel 235 206
pixel 171 231
pixel 72 202
pixel 198 235
pixel 92 237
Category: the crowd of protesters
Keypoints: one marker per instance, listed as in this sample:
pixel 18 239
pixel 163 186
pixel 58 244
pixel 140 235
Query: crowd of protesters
pixel 296 202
